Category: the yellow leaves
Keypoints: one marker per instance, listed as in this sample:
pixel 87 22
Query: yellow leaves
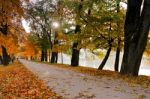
pixel 61 36
pixel 63 44
pixel 30 49
pixel 17 82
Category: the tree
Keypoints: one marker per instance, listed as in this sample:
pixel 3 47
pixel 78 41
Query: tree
pixel 75 49
pixel 98 24
pixel 136 33
pixel 40 16
pixel 54 56
pixel 75 11
pixel 30 50
pixel 119 39
pixel 7 19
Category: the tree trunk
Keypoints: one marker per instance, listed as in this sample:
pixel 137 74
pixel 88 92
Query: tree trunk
pixel 42 55
pixel 131 21
pixel 105 59
pixel 135 46
pixel 75 55
pixel 5 56
pixel 45 55
pixel 1 61
pixel 117 59
pixel 75 50
pixel 54 57
pixel 119 40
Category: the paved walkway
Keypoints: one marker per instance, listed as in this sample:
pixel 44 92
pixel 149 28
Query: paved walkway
pixel 73 85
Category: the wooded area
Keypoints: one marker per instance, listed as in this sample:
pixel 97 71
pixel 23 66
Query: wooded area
pixel 67 26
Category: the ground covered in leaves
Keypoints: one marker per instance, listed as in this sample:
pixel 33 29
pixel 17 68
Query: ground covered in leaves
pixel 18 82
pixel 141 80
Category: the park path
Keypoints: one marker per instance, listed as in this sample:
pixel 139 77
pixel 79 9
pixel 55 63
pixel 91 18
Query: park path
pixel 73 85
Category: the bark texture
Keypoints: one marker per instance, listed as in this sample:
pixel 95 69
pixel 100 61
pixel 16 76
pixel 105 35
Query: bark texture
pixel 116 67
pixel 44 55
pixel 117 59
pixel 75 49
pixel 136 33
pixel 54 57
pixel 105 59
pixel 5 56
pixel 106 56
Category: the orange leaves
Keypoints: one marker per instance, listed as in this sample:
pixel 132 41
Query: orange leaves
pixel 10 43
pixel 17 82
pixel 10 9
pixel 30 49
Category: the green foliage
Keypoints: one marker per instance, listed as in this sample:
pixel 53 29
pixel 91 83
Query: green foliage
pixel 98 20
pixel 98 26
pixel 41 43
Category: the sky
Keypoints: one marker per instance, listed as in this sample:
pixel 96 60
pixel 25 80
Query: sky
pixel 25 25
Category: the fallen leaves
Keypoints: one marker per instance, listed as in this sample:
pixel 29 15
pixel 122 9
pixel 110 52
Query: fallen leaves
pixel 131 80
pixel 18 82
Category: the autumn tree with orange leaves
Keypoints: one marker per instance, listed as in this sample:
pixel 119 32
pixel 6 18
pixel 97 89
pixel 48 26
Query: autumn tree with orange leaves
pixel 10 26
pixel 30 50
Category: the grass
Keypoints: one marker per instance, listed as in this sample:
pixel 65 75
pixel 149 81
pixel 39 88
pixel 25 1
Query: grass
pixel 16 82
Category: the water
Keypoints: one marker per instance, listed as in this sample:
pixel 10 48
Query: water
pixel 88 59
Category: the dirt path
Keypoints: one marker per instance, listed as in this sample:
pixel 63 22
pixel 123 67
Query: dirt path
pixel 73 85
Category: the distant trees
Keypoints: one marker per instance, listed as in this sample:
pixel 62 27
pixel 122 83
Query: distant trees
pixel 40 16
pixel 30 50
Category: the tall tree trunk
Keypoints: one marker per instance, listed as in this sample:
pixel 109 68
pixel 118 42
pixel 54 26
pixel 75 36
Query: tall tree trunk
pixel 75 50
pixel 119 39
pixel 105 59
pixel 75 55
pixel 117 59
pixel 5 56
pixel 131 21
pixel 45 55
pixel 1 60
pixel 54 57
pixel 138 41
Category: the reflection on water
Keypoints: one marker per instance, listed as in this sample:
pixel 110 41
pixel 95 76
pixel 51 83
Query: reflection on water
pixel 90 60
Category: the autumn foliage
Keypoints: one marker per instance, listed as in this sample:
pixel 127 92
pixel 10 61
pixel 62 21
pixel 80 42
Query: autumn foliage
pixel 30 50
pixel 17 82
